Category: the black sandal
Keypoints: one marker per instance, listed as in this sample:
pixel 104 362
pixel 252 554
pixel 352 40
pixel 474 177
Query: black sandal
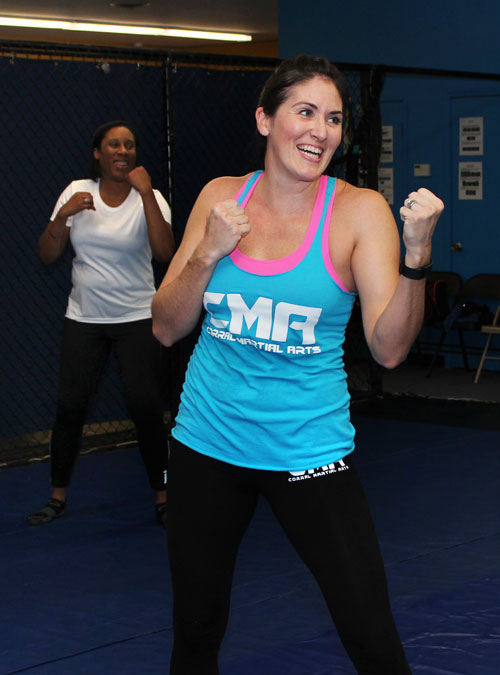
pixel 54 508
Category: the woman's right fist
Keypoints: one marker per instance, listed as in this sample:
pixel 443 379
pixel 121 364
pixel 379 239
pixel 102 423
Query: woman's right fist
pixel 77 202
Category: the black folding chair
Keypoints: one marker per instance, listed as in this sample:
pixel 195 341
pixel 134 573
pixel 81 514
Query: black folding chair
pixel 478 288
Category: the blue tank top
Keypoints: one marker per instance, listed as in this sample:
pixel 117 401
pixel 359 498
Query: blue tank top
pixel 265 387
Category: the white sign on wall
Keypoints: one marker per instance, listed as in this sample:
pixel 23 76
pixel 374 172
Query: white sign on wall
pixel 386 183
pixel 471 136
pixel 387 149
pixel 470 180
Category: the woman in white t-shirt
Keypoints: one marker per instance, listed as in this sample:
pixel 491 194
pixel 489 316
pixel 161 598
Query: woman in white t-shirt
pixel 116 223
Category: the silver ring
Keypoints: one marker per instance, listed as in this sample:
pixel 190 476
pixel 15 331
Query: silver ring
pixel 87 200
pixel 410 202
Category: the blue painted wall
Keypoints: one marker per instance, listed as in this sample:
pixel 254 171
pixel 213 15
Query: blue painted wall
pixel 444 34
pixel 448 35
pixel 429 109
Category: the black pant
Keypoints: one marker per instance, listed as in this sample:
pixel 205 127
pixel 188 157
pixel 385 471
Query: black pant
pixel 85 350
pixel 328 522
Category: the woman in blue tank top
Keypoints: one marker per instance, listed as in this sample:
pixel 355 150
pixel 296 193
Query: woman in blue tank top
pixel 274 259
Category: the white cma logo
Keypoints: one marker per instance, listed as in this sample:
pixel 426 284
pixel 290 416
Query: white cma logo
pixel 272 323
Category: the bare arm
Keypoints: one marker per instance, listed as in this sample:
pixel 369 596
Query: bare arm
pixel 55 236
pixel 392 305
pixel 161 238
pixel 213 230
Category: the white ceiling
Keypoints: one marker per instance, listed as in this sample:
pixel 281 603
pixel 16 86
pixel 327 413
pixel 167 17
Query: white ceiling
pixel 257 17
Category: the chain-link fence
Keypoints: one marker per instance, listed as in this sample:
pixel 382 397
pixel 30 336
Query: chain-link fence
pixel 195 118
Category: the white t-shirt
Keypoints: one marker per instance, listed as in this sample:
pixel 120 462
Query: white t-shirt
pixel 112 274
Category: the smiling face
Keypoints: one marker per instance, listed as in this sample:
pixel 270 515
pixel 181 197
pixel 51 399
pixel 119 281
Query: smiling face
pixel 305 130
pixel 116 154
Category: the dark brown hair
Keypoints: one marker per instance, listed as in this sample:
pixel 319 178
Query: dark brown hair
pixel 300 69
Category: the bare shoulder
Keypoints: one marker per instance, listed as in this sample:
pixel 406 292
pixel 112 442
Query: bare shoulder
pixel 216 191
pixel 363 211
pixel 360 203
pixel 220 189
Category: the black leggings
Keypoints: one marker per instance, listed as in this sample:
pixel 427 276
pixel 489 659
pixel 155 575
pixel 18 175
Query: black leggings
pixel 85 350
pixel 324 514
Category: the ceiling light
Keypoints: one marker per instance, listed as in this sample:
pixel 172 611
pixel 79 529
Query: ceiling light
pixel 129 5
pixel 154 31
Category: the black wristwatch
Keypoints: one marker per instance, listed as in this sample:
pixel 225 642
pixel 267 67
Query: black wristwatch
pixel 414 273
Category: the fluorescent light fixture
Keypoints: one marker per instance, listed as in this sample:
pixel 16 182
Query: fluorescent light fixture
pixel 122 28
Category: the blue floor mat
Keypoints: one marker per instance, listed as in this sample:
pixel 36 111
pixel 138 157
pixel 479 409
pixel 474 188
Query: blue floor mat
pixel 90 593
